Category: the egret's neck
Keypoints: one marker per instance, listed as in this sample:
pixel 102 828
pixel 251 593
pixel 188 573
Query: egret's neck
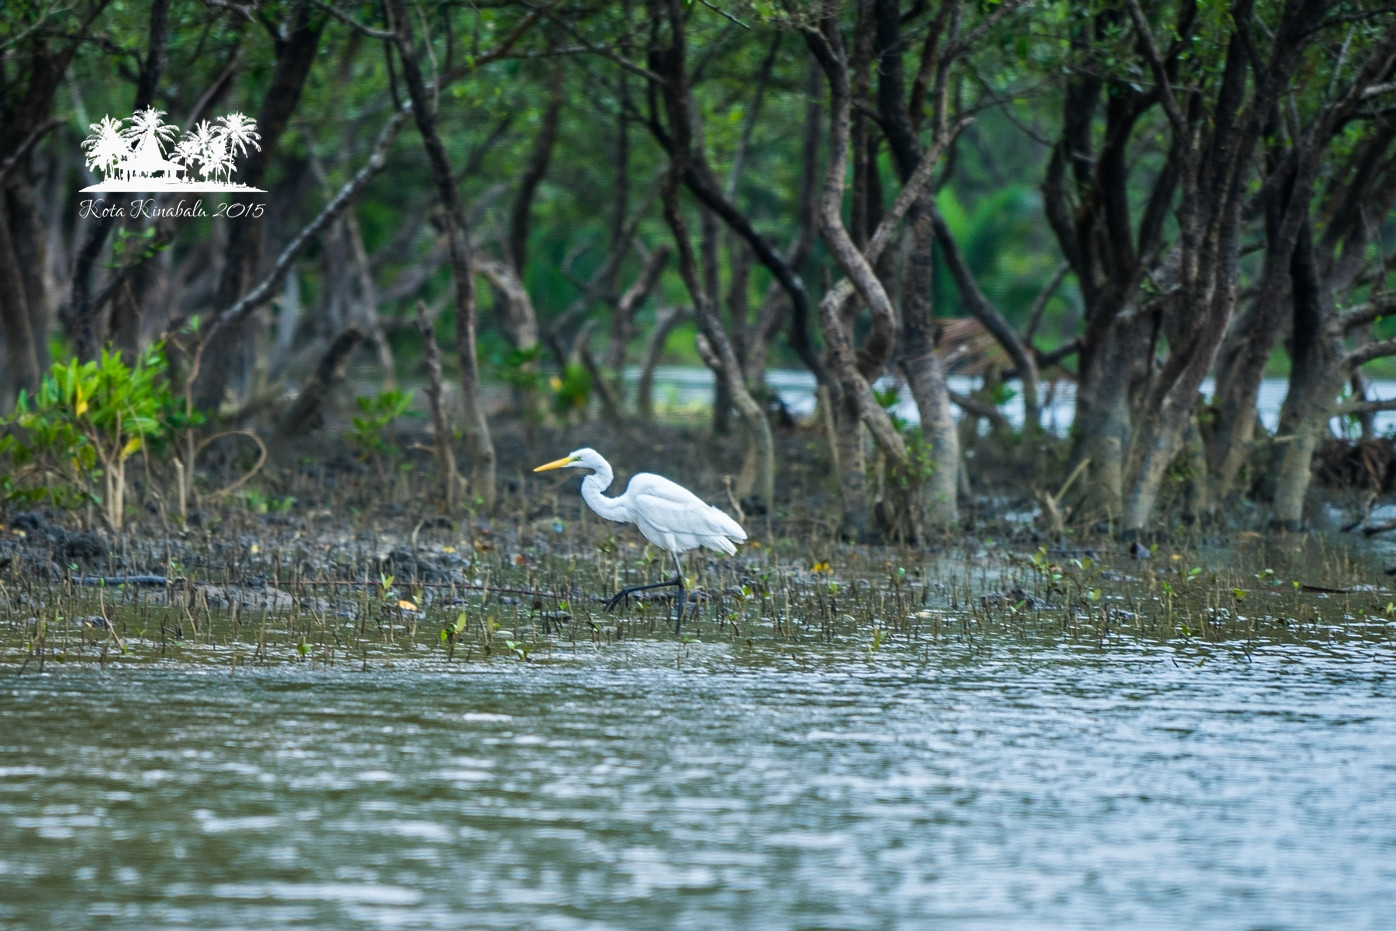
pixel 593 486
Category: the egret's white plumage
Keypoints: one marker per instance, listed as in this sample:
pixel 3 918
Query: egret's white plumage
pixel 668 514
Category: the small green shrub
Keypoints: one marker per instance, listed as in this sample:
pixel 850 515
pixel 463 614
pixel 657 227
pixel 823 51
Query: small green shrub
pixel 259 503
pixel 86 420
pixel 571 390
pixel 519 369
pixel 372 434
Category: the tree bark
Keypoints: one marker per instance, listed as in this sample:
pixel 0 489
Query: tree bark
pixel 1209 219
pixel 26 105
pixel 664 323
pixel 22 344
pixel 1295 166
pixel 926 379
pixel 85 314
pixel 854 405
pixel 1316 378
pixel 761 445
pixel 304 414
pixel 440 420
pixel 938 461
pixel 1086 202
pixel 295 54
pixel 479 445
pixel 537 168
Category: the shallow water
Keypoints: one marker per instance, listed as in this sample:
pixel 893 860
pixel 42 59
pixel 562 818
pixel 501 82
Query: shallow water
pixel 692 387
pixel 648 785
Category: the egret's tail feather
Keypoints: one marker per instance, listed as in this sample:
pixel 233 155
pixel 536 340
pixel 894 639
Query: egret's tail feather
pixel 721 544
pixel 728 527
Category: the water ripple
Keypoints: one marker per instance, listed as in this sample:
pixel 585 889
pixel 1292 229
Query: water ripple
pixel 1028 787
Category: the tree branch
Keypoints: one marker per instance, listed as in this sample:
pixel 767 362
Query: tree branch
pixel 592 47
pixel 984 309
pixel 263 290
pixel 645 281
pixel 604 275
pixel 1362 314
pixel 978 408
pixel 698 178
pixel 962 44
pixel 1357 408
pixel 1377 349
pixel 359 27
pixel 1146 38
pixel 533 174
pixel 502 49
pixel 1039 304
pixel 827 45
pixel 43 129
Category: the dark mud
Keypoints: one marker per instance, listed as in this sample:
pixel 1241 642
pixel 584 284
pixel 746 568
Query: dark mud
pixel 323 558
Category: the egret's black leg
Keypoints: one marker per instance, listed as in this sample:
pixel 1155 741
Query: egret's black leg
pixel 627 592
pixel 676 582
pixel 682 597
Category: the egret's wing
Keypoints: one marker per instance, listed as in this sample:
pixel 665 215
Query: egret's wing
pixel 675 518
pixel 657 486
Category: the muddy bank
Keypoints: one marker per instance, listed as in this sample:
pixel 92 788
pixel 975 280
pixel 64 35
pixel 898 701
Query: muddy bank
pixel 328 559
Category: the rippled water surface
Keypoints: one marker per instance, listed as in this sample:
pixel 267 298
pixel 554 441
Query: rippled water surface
pixel 1029 785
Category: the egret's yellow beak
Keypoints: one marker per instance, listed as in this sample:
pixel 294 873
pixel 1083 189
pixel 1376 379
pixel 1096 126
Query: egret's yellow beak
pixel 558 464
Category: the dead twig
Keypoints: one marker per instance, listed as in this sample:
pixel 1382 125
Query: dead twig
pixel 1051 504
pixel 440 422
pixel 261 461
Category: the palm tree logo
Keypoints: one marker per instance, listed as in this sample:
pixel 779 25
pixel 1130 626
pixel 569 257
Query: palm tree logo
pixel 148 154
pixel 190 148
pixel 238 132
pixel 106 147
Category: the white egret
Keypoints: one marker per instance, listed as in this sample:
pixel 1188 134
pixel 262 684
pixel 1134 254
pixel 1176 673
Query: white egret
pixel 669 515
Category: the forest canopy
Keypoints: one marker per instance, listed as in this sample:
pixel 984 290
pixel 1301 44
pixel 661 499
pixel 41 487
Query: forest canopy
pixel 1148 205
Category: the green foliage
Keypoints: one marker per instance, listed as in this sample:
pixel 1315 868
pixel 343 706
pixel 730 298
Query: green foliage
pixel 921 464
pixel 571 390
pixel 1074 578
pixel 520 368
pixel 1000 393
pixel 451 631
pixel 86 420
pixel 1000 235
pixel 887 399
pixel 879 637
pixel 133 247
pixel 259 503
pixel 372 434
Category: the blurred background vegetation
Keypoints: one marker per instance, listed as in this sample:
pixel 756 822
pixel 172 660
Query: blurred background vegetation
pixel 1215 176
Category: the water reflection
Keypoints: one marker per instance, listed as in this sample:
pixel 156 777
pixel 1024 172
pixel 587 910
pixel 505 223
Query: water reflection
pixel 1023 786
